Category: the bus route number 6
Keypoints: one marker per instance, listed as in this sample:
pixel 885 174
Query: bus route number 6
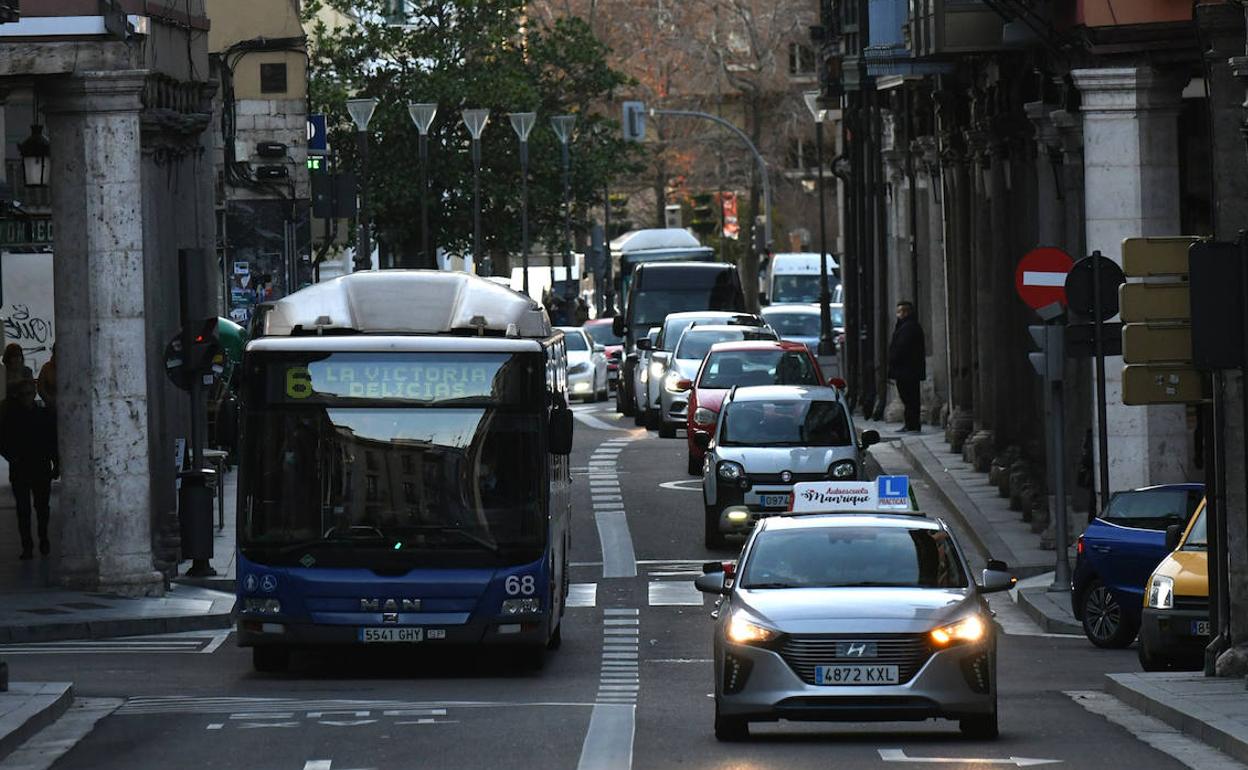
pixel 515 584
pixel 298 382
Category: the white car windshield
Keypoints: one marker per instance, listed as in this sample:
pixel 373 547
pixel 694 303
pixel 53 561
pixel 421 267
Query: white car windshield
pixel 785 423
pixel 844 557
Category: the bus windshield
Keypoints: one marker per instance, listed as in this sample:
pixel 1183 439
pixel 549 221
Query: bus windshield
pixel 339 473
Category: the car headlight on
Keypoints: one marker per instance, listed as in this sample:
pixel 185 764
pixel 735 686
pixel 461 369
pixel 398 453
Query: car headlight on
pixel 703 416
pixel 262 606
pixel 656 370
pixel 742 631
pixel 527 606
pixel 843 469
pixel 670 381
pixel 730 471
pixel 1161 592
pixel 580 368
pixel 970 629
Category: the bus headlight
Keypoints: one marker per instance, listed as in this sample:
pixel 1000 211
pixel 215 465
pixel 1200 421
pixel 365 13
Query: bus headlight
pixel 262 606
pixel 844 469
pixel 1161 592
pixel 526 606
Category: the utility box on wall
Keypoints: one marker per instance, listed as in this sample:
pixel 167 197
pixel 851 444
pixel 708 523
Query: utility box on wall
pixel 940 27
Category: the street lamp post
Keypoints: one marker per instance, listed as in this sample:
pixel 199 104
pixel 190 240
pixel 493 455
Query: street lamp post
pixel 474 121
pixel 361 111
pixel 522 123
pixel 820 114
pixel 563 126
pixel 422 116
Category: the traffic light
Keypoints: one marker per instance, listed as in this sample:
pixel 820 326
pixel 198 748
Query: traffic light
pixel 704 220
pixel 1049 360
pixel 206 354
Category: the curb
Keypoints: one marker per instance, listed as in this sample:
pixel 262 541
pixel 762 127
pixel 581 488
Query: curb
pixel 46 704
pixel 958 502
pixel 225 584
pixel 1203 724
pixel 107 629
pixel 1048 623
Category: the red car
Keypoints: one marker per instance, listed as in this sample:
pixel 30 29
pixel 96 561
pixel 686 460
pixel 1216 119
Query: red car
pixel 602 334
pixel 729 364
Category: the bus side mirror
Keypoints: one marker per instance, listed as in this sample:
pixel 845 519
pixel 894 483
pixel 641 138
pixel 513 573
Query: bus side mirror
pixel 1174 533
pixel 561 431
pixel 617 326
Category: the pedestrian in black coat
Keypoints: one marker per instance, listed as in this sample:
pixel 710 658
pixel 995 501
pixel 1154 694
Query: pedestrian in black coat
pixel 28 442
pixel 907 362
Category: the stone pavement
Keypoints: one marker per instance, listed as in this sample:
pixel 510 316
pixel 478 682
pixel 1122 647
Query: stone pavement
pixel 29 707
pixel 1212 710
pixel 986 517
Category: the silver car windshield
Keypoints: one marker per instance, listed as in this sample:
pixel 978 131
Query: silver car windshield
pixel 785 423
pixel 846 557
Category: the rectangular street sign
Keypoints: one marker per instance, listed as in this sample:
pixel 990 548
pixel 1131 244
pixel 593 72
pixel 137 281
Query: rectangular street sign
pixel 1081 340
pixel 1143 385
pixel 1217 319
pixel 1153 344
pixel 1154 302
pixel 1146 257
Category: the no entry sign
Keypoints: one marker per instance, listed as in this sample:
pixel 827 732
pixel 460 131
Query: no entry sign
pixel 1041 277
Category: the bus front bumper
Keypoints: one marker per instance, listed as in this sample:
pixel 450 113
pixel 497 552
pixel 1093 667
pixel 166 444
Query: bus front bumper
pixel 525 631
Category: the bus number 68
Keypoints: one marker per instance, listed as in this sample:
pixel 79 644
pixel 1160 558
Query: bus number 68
pixel 515 584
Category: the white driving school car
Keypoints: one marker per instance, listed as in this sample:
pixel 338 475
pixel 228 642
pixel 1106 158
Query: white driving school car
pixel 843 611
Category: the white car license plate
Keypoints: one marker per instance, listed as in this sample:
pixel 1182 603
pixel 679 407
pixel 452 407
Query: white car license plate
pixel 1200 628
pixel 852 675
pixel 774 501
pixel 369 635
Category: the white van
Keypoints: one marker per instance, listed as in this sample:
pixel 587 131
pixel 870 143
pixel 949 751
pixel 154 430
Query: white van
pixel 793 278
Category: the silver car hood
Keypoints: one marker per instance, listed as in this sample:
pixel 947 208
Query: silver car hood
pixel 855 610
pixel 798 459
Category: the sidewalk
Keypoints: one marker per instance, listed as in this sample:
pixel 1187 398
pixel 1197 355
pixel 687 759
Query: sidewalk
pixel 35 608
pixel 987 519
pixel 29 707
pixel 1211 710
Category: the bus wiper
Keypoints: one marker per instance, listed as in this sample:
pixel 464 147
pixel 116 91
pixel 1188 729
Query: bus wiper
pixel 489 545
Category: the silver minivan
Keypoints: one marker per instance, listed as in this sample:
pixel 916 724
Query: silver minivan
pixel 769 438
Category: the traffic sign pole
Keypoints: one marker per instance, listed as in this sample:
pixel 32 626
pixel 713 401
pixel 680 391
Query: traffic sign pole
pixel 1102 420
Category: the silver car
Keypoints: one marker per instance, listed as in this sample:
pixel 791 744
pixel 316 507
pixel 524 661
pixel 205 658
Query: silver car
pixel 682 367
pixel 587 365
pixel 769 438
pixel 854 617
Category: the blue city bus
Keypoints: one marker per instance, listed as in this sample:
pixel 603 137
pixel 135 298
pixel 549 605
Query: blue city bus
pixel 404 475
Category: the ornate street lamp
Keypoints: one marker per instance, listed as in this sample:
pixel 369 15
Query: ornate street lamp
pixel 361 111
pixel 422 116
pixel 474 121
pixel 826 344
pixel 522 123
pixel 563 126
pixel 36 152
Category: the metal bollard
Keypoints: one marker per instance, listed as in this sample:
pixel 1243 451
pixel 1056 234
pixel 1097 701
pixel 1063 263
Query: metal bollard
pixel 195 520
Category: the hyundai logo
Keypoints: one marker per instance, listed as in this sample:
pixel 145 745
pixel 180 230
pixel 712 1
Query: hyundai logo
pixel 786 477
pixel 389 605
pixel 856 650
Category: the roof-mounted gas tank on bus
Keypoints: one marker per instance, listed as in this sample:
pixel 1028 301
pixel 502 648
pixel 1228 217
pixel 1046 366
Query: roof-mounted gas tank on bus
pixel 404 474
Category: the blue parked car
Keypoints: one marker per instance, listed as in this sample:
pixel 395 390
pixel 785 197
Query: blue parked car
pixel 1118 552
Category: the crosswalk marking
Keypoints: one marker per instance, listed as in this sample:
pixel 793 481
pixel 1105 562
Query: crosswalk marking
pixel 674 593
pixel 582 595
pixel 202 642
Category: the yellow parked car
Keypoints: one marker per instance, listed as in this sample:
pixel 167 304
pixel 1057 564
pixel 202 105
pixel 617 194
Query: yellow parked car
pixel 1174 629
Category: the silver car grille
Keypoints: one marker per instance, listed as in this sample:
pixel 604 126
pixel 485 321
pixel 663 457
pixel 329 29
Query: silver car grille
pixel 906 651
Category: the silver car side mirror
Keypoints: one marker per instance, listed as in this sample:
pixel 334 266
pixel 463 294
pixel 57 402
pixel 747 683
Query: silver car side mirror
pixel 994 581
pixel 713 583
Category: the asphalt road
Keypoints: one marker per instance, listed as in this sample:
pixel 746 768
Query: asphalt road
pixel 629 688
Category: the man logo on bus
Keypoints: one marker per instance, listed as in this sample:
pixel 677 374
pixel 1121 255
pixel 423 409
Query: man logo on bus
pixel 389 605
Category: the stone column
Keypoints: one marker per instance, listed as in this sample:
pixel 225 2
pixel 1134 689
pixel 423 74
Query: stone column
pixel 959 297
pixel 978 450
pixel 93 123
pixel 1131 176
pixel 931 244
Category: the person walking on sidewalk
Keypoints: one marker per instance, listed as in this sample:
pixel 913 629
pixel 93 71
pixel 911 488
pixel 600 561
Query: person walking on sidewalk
pixel 15 368
pixel 28 442
pixel 907 363
pixel 46 385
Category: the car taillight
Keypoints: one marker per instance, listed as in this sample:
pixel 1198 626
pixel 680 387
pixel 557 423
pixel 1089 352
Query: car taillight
pixel 1079 546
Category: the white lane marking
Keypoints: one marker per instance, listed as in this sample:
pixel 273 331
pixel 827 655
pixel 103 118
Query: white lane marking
pixel 680 660
pixel 217 641
pixel 609 741
pixel 414 713
pixel 621 611
pixel 684 485
pixel 621 621
pixel 618 558
pixel 604 498
pixel 582 595
pixel 674 593
pixel 1039 278
pixel 899 755
pixel 252 717
pixel 619 656
pixel 1154 732
pixel 318 764
pixel 596 424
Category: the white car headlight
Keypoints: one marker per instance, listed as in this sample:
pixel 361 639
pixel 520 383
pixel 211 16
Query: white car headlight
pixel 730 471
pixel 970 629
pixel 743 631
pixel 843 469
pixel 1161 592
pixel 669 382
pixel 656 369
